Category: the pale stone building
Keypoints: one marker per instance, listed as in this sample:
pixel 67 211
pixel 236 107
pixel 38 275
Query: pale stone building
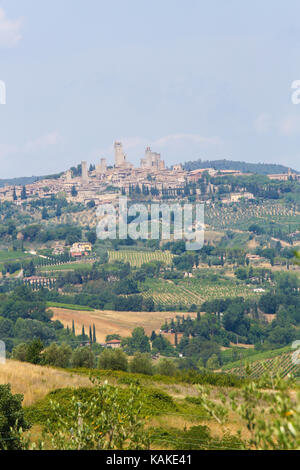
pixel 84 172
pixel 152 160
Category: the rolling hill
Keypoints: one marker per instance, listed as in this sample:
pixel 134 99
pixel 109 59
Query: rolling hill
pixel 244 167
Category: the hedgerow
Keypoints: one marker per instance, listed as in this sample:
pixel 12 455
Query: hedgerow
pixel 153 401
pixel 190 377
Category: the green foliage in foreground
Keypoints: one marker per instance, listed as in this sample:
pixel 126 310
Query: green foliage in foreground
pixel 114 417
pixel 12 421
pixel 111 417
pixel 152 402
pixel 195 438
pixel 101 418
pixel 277 428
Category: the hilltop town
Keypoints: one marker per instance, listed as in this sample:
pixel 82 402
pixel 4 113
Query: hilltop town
pixel 101 183
pixel 84 184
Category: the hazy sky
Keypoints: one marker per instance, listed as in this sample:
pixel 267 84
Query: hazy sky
pixel 192 78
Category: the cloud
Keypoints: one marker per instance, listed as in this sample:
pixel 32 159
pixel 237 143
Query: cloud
pixel 132 142
pixel 43 142
pixel 10 30
pixel 263 123
pixel 194 138
pixel 289 125
pixel 32 146
pixel 7 150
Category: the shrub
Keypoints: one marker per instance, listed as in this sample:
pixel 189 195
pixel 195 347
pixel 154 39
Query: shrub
pixel 57 356
pixel 82 357
pixel 105 422
pixel 166 367
pixel 151 400
pixel 113 359
pixel 28 352
pixel 275 427
pixel 12 421
pixel 141 364
pixel 213 362
pixel 19 352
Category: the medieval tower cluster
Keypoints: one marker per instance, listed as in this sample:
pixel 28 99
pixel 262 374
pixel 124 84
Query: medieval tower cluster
pixel 151 162
pixel 120 157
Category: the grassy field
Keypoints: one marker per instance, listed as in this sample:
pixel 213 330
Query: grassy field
pixel 64 267
pixel 172 413
pixel 137 258
pixel 11 256
pixel 34 382
pixel 112 322
pixel 193 291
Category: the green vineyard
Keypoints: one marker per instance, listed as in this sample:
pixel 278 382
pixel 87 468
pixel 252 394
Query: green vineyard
pixel 284 364
pixel 192 291
pixel 137 258
pixel 241 216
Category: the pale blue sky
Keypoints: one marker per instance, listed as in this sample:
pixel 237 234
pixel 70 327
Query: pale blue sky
pixel 192 78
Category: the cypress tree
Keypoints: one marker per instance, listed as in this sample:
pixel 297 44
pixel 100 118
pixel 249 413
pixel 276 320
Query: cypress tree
pixel 45 214
pixel 74 191
pixel 23 193
pixel 94 334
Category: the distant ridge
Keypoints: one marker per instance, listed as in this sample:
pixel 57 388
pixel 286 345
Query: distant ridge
pixel 23 180
pixel 258 168
pixel 19 181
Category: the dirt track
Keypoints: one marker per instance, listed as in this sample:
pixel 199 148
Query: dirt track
pixel 110 322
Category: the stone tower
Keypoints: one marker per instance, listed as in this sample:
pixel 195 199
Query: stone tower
pixel 69 176
pixel 102 167
pixel 84 172
pixel 152 160
pixel 120 157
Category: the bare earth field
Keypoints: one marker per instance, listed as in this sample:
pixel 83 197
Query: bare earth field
pixel 111 322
